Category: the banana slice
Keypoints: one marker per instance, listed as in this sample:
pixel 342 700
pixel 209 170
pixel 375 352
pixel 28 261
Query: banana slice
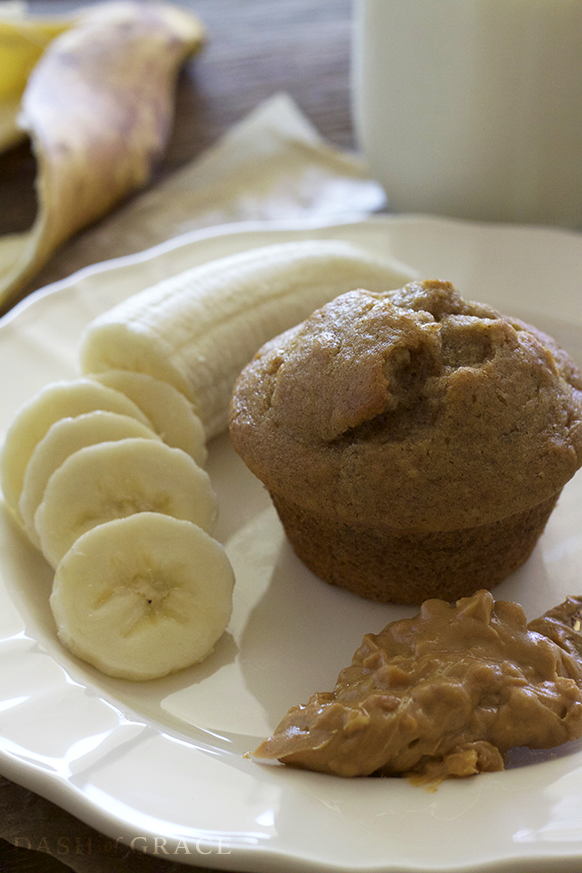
pixel 115 479
pixel 62 439
pixel 197 330
pixel 57 400
pixel 171 414
pixel 143 596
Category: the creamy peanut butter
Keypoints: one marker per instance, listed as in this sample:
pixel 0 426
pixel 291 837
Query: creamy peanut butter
pixel 446 693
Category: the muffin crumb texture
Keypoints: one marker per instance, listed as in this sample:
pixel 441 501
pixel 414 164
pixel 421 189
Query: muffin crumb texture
pixel 415 428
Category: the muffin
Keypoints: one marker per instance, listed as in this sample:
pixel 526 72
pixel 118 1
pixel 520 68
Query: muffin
pixel 414 443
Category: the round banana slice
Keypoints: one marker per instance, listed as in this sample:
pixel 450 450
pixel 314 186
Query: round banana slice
pixel 170 412
pixel 115 479
pixel 57 400
pixel 143 596
pixel 62 439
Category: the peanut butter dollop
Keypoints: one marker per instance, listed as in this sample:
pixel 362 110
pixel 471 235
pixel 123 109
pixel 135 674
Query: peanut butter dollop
pixel 446 693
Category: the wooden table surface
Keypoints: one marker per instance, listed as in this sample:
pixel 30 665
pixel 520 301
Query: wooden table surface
pixel 255 48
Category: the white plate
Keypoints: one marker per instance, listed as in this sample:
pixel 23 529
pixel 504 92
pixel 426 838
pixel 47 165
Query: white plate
pixel 163 761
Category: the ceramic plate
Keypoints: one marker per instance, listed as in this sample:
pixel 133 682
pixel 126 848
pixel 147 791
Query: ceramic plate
pixel 161 765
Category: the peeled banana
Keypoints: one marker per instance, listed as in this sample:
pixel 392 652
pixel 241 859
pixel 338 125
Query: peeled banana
pixel 57 400
pixel 119 478
pixel 197 330
pixel 137 600
pixel 62 439
pixel 104 472
pixel 143 596
pixel 170 413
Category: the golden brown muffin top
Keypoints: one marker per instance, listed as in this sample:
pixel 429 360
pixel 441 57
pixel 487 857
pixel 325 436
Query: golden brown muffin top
pixel 415 407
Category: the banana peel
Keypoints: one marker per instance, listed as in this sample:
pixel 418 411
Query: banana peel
pixel 23 39
pixel 98 108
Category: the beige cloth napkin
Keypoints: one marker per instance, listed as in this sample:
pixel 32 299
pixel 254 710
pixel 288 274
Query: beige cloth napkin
pixel 272 165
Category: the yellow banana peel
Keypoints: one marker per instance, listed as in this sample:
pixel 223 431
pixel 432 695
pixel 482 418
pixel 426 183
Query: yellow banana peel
pixel 23 39
pixel 22 42
pixel 98 107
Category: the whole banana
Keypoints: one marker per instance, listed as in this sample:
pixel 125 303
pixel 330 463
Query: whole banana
pixel 199 329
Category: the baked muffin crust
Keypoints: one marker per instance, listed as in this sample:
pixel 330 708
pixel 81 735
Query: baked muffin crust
pixel 415 408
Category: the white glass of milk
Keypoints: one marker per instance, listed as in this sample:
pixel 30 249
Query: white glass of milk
pixel 472 108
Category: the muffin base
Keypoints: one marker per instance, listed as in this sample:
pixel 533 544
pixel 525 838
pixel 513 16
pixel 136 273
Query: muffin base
pixel 389 566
